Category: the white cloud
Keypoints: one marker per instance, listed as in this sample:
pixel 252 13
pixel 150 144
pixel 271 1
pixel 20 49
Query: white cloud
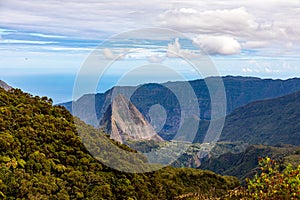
pixel 230 21
pixel 255 44
pixel 217 44
pixel 270 70
pixel 174 50
pixel 188 10
pixel 25 42
pixel 86 19
pixel 156 58
pixel 255 25
pixel 108 54
pixel 92 18
pixel 46 35
pixel 275 24
pixel 247 70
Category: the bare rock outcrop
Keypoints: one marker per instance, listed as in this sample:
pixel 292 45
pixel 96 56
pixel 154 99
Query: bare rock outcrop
pixel 123 121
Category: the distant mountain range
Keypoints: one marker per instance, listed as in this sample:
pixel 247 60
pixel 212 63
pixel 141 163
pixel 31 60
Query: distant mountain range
pixel 263 128
pixel 239 92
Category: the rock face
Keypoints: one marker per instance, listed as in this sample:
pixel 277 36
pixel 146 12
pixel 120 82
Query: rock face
pixel 123 121
pixel 5 86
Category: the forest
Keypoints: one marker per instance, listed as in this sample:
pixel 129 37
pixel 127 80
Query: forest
pixel 42 157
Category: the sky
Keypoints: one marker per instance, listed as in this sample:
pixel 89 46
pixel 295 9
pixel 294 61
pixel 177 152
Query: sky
pixel 44 45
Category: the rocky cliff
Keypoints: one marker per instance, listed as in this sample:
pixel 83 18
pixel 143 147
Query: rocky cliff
pixel 123 121
pixel 5 86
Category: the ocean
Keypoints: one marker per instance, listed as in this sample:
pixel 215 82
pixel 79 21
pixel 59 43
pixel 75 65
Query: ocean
pixel 57 87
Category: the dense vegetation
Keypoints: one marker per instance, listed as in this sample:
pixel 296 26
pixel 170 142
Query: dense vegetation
pixel 273 184
pixel 242 161
pixel 42 157
pixel 237 159
pixel 270 184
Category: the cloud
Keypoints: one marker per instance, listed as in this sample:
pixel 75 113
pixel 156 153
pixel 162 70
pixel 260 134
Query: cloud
pixel 108 54
pixel 255 44
pixel 217 44
pixel 252 24
pixel 229 21
pixel 94 19
pixel 270 70
pixel 267 70
pixel 247 69
pixel 25 42
pixel 258 26
pixel 46 35
pixel 76 18
pixel 188 10
pixel 174 50
pixel 156 58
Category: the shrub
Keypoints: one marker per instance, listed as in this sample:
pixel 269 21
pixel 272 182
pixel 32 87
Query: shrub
pixel 271 183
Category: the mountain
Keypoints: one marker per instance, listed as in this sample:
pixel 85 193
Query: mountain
pixel 5 86
pixel 239 92
pixel 123 121
pixel 270 122
pixel 259 129
pixel 237 158
pixel 42 156
pixel 244 164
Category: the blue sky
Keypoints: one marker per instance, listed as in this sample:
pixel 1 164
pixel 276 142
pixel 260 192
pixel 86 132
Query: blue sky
pixel 44 44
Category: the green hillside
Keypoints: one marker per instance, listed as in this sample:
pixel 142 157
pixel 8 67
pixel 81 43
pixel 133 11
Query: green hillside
pixel 269 122
pixel 244 164
pixel 42 157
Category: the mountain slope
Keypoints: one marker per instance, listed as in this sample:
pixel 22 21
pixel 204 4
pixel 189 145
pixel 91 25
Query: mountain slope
pixel 269 122
pixel 245 164
pixel 5 86
pixel 43 157
pixel 123 121
pixel 239 91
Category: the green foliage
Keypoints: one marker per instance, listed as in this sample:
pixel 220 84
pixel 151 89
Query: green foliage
pixel 270 184
pixel 143 146
pixel 239 160
pixel 43 157
pixel 273 184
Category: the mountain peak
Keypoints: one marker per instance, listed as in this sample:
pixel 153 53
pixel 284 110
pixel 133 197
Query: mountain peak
pixel 5 86
pixel 123 121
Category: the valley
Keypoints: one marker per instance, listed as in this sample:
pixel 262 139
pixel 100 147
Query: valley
pixel 258 124
pixel 47 146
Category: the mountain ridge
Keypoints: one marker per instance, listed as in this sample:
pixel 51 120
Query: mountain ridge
pixel 239 91
pixel 271 122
